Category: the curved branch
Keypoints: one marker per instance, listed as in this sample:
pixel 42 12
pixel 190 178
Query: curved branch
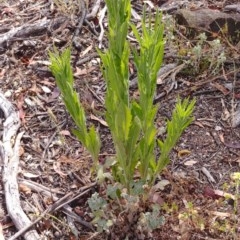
pixel 9 149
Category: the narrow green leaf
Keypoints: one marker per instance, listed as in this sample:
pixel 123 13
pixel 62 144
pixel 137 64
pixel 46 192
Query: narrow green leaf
pixel 62 71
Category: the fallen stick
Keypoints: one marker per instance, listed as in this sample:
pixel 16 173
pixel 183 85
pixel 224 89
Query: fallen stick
pixel 9 149
pixel 34 29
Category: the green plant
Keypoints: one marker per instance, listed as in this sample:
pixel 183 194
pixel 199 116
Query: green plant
pixel 192 217
pixel 131 122
pixel 122 209
pixel 99 208
pixel 197 52
pixel 151 220
pixel 61 69
pixel 148 62
pixel 236 178
pixel 124 128
pixel 205 55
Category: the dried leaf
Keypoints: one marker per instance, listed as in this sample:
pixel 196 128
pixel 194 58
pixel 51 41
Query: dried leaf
pixel 46 89
pixel 224 194
pixel 220 214
pixel 65 159
pixel 8 93
pixel 221 137
pixel 156 198
pixel 20 102
pixel 221 88
pixel 161 185
pixel 55 94
pixel 47 83
pixel 190 163
pixel 30 175
pixel 23 188
pixel 46 224
pixel 211 193
pixel 85 71
pixel 34 88
pixel 57 169
pixel 199 124
pixel 225 114
pixel 99 120
pixel 80 72
pixel 21 151
pixel 29 102
pixel 183 153
pixel 65 133
pixel 2 73
pixel 88 49
pixel 208 175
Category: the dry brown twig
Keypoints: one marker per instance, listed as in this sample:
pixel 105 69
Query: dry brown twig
pixel 9 149
pixel 57 205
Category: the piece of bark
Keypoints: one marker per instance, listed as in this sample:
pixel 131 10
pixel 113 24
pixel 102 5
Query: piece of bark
pixel 232 8
pixel 210 21
pixel 9 149
pixel 34 29
pixel 208 175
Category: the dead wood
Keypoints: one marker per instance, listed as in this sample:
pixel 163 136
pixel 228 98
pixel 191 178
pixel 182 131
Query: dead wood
pixel 9 149
pixel 65 207
pixel 58 204
pixel 30 30
pixel 232 8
